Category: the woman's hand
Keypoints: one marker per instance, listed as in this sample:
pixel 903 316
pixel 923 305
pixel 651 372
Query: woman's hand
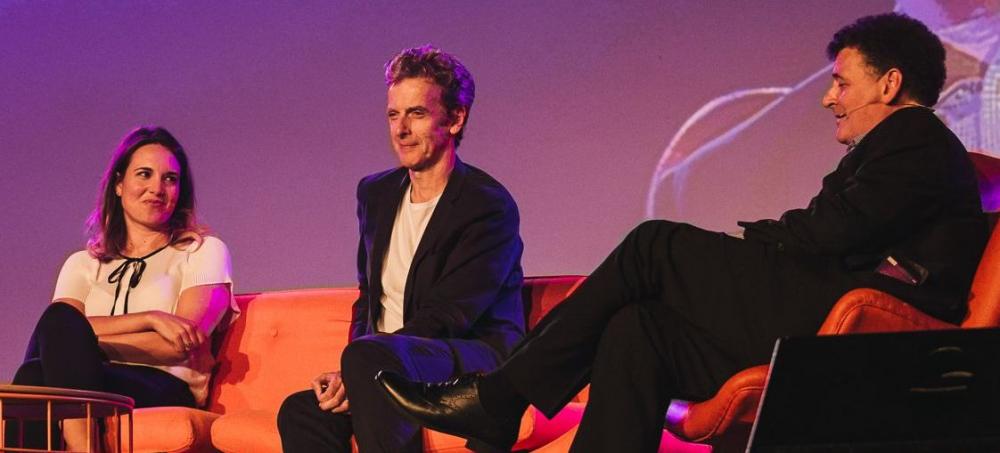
pixel 182 333
pixel 158 338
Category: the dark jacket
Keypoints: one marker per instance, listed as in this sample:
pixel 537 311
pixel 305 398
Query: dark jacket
pixel 907 190
pixel 465 278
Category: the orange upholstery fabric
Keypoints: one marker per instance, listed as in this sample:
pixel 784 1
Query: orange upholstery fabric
pixel 286 338
pixel 229 433
pixel 867 310
pixel 170 429
pixel 542 294
pixel 281 342
pixel 736 401
pixel 862 311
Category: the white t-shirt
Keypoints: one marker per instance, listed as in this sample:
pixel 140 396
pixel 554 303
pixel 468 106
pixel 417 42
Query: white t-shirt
pixel 167 273
pixel 407 229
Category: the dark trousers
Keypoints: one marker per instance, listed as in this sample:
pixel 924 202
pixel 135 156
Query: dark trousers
pixel 671 313
pixel 63 352
pixel 376 425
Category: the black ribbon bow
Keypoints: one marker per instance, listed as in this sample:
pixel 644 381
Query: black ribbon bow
pixel 138 266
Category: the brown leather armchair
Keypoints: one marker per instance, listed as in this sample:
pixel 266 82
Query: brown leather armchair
pixel 724 419
pixel 859 311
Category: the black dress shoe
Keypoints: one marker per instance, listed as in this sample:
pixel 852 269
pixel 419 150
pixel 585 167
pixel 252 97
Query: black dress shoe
pixel 452 407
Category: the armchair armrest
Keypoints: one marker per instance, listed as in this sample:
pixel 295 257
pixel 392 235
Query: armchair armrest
pixel 863 310
pixel 736 401
pixel 867 310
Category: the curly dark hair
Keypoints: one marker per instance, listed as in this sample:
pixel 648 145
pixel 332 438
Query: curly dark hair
pixel 427 61
pixel 897 41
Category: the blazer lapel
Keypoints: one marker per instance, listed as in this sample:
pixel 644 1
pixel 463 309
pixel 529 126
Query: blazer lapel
pixel 388 204
pixel 436 227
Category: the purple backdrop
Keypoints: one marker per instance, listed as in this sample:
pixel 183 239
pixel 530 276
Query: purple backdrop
pixel 282 111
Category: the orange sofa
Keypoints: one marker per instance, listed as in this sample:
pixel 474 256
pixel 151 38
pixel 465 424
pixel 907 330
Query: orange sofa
pixel 280 343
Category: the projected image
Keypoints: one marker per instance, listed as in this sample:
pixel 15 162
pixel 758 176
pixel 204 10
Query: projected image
pixel 969 104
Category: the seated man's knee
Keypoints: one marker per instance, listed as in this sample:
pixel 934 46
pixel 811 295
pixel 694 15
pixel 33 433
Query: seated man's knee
pixel 367 355
pixel 649 235
pixel 295 406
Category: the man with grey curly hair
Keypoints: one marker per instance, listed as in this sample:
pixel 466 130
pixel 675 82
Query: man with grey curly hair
pixel 439 268
pixel 429 62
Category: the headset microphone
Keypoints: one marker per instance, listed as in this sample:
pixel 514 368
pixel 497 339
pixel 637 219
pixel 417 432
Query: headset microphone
pixel 855 109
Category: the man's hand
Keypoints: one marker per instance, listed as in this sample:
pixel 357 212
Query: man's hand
pixel 182 333
pixel 331 393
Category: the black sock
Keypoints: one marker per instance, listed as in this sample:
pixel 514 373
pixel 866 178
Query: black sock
pixel 500 399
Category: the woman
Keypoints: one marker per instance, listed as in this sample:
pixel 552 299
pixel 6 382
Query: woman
pixel 132 314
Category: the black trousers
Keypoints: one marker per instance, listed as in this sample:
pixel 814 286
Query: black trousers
pixel 671 313
pixel 63 352
pixel 376 425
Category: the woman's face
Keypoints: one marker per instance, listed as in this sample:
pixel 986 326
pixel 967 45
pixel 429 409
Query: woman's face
pixel 149 188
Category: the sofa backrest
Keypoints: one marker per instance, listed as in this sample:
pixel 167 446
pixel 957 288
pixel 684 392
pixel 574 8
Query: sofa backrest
pixel 284 339
pixel 542 294
pixel 280 342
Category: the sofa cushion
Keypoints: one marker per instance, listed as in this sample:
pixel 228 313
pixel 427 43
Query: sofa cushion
pixel 256 431
pixel 253 431
pixel 286 338
pixel 170 429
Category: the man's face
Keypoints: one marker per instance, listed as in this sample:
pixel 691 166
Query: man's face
pixel 854 96
pixel 420 129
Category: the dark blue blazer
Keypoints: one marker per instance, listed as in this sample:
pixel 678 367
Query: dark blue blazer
pixel 465 279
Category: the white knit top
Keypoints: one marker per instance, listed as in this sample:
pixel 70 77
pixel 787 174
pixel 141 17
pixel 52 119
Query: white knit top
pixel 167 273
